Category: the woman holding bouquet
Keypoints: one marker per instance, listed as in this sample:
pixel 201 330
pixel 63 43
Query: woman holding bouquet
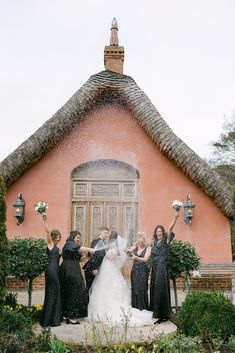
pixel 52 312
pixel 73 289
pixel 160 300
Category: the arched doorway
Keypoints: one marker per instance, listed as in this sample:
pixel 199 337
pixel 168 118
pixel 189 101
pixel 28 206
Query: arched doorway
pixel 104 193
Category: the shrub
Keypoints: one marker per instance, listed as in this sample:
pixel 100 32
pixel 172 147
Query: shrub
pixel 42 343
pixel 15 330
pixel 57 346
pixel 32 314
pixel 28 259
pixel 161 344
pixel 12 322
pixel 177 344
pixel 209 315
pixel 11 300
pixel 183 259
pixel 10 343
pixel 231 343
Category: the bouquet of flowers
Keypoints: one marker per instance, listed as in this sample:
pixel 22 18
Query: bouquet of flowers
pixel 40 208
pixel 177 205
pixel 196 273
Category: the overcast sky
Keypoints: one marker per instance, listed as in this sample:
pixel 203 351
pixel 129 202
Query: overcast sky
pixel 180 52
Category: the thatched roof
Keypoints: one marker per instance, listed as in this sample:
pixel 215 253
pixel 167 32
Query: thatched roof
pixel 109 87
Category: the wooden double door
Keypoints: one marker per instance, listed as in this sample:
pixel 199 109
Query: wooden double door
pixel 104 193
pixel 89 216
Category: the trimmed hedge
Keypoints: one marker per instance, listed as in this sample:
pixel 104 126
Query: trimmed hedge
pixel 208 315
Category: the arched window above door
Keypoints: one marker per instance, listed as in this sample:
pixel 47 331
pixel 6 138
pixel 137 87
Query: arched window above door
pixel 105 169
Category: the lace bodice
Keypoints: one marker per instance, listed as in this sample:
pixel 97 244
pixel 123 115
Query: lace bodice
pixel 112 252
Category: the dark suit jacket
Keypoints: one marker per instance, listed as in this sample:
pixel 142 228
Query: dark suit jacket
pixel 96 259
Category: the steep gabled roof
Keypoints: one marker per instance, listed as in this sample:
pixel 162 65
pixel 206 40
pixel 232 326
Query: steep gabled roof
pixel 110 87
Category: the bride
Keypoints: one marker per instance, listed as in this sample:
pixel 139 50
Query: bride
pixel 110 300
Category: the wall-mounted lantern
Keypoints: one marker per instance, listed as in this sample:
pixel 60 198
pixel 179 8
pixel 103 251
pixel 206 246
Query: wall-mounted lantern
pixel 189 207
pixel 18 208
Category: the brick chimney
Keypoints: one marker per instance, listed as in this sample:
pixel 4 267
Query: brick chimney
pixel 114 54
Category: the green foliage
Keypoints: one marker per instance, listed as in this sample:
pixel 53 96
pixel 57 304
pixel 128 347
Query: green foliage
pixel 179 343
pixel 13 322
pixel 226 171
pixel 28 259
pixel 224 148
pixel 42 343
pixel 183 259
pixel 3 244
pixel 224 151
pixel 161 344
pixel 231 343
pixel 57 346
pixel 16 331
pixel 45 342
pixel 16 327
pixel 209 315
pixel 32 313
pixel 10 343
pixel 11 300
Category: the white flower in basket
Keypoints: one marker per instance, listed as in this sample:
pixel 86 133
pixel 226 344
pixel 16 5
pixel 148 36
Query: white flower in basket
pixel 40 208
pixel 177 205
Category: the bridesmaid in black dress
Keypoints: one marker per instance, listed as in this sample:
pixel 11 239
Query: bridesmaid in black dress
pixel 160 299
pixel 140 254
pixel 73 289
pixel 52 312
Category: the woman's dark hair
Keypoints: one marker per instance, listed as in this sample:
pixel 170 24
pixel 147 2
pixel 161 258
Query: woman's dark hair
pixel 104 228
pixel 55 233
pixel 73 234
pixel 113 235
pixel 113 239
pixel 155 237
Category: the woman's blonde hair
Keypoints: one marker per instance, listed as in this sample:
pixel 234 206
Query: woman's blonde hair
pixel 141 236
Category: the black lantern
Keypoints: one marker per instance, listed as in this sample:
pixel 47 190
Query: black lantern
pixel 188 210
pixel 18 207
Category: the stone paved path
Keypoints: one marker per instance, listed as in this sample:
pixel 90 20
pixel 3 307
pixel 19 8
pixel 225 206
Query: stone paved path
pixel 86 332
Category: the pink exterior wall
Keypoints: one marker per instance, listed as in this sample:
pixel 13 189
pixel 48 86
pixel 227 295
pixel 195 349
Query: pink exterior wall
pixel 112 133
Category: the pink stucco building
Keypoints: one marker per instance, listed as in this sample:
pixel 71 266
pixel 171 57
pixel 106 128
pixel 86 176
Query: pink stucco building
pixel 107 157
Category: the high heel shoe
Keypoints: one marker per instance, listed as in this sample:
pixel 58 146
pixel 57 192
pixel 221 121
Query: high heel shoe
pixel 158 321
pixel 68 321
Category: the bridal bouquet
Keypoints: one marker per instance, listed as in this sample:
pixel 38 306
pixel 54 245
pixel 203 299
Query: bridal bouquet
pixel 40 208
pixel 196 273
pixel 177 205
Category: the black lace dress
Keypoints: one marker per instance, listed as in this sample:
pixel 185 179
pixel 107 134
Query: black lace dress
pixel 139 283
pixel 160 298
pixel 73 290
pixel 52 312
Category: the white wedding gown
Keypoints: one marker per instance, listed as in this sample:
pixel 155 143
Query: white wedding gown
pixel 110 300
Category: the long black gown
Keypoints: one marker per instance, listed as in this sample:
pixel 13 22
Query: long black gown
pixel 94 261
pixel 73 290
pixel 139 283
pixel 52 312
pixel 160 298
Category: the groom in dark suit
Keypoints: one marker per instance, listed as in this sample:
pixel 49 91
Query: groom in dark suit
pixel 95 260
